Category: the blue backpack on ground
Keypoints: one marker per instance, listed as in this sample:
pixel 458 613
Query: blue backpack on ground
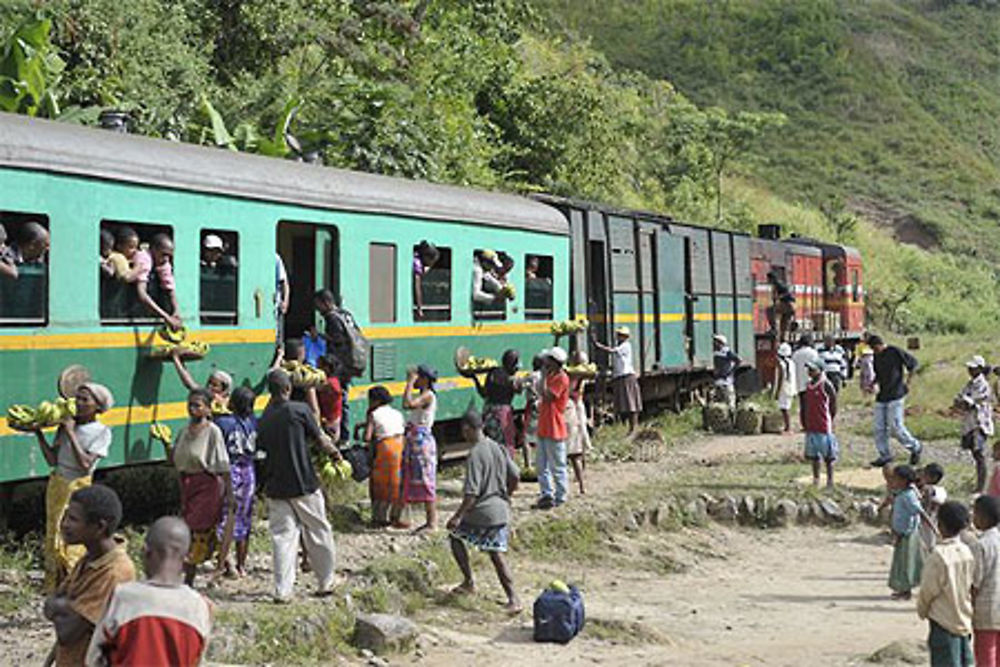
pixel 558 616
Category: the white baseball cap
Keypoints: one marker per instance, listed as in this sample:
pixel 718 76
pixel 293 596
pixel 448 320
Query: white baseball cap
pixel 722 339
pixel 784 350
pixel 557 354
pixel 212 242
pixel 976 362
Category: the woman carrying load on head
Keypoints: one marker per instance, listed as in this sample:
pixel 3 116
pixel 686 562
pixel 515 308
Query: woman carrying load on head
pixel 420 453
pixel 383 430
pixel 498 390
pixel 80 443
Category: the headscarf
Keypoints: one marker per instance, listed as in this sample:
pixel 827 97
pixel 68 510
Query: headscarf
pixel 222 376
pixel 102 395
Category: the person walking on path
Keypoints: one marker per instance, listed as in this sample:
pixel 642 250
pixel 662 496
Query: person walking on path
pixel 295 502
pixel 975 402
pixel 159 621
pixel 481 521
pixel 945 591
pixel 552 432
pixel 893 369
pixel 784 384
pixel 624 381
pixel 724 365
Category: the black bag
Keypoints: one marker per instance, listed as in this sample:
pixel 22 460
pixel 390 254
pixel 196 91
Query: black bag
pixel 558 616
pixel 360 460
pixel 355 357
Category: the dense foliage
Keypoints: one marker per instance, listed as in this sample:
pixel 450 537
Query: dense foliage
pixel 887 109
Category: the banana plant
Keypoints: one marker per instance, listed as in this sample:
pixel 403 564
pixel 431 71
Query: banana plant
pixel 30 69
pixel 211 129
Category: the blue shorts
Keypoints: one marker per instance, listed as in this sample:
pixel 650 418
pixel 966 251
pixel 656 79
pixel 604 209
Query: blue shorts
pixel 822 446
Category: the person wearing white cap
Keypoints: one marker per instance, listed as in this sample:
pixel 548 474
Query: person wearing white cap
pixel 211 250
pixel 724 365
pixel 784 384
pixel 624 381
pixel 552 431
pixel 975 402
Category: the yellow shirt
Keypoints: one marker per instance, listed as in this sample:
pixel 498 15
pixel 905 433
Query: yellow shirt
pixel 946 585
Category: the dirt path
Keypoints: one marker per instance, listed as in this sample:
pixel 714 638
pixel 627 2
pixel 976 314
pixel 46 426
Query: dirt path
pixel 788 597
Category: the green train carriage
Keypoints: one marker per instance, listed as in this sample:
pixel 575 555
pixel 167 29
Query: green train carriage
pixel 353 233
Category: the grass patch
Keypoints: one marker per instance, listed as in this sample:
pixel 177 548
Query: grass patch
pixel 611 442
pixel 299 633
pixel 574 538
pixel 616 631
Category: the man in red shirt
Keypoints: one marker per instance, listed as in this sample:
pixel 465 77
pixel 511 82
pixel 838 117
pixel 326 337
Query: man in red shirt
pixel 159 621
pixel 552 431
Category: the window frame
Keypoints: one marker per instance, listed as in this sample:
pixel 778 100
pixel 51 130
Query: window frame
pixel 145 230
pixel 374 279
pixel 444 251
pixel 478 313
pixel 220 318
pixel 539 313
pixel 45 221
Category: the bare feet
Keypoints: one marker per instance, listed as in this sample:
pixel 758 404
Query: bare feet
pixel 464 588
pixel 901 595
pixel 426 528
pixel 513 607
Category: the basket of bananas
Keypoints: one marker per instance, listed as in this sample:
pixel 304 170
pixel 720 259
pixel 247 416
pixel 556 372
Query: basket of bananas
pixel 582 370
pixel 569 327
pixel 303 375
pixel 45 415
pixel 167 340
pixel 468 365
pixel 508 291
pixel 161 432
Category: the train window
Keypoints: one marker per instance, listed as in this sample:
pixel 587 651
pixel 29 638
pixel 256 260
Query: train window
pixel 538 287
pixel 856 286
pixel 219 276
pixel 490 290
pixel 137 276
pixel 381 282
pixel 24 269
pixel 431 283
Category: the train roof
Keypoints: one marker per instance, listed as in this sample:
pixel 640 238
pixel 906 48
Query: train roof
pixel 825 246
pixel 648 216
pixel 63 148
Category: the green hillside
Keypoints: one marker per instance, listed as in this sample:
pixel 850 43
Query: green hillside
pixel 893 105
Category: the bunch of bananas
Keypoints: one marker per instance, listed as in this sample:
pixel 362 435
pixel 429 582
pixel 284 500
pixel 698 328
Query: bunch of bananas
pixel 567 327
pixel 479 365
pixel 332 473
pixel 583 370
pixel 303 375
pixel 46 414
pixel 508 291
pixel 166 340
pixel 219 407
pixel 161 432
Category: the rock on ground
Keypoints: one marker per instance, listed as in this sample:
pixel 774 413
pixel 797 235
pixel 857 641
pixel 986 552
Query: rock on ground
pixel 383 633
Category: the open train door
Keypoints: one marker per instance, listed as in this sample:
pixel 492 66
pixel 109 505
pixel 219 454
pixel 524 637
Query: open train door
pixel 311 256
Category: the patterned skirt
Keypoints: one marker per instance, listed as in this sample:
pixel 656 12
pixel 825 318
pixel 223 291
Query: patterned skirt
pixel 492 538
pixel 420 465
pixel 385 484
pixel 498 425
pixel 201 506
pixel 244 484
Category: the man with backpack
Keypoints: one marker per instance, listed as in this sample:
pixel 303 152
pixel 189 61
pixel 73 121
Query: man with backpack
pixel 344 341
